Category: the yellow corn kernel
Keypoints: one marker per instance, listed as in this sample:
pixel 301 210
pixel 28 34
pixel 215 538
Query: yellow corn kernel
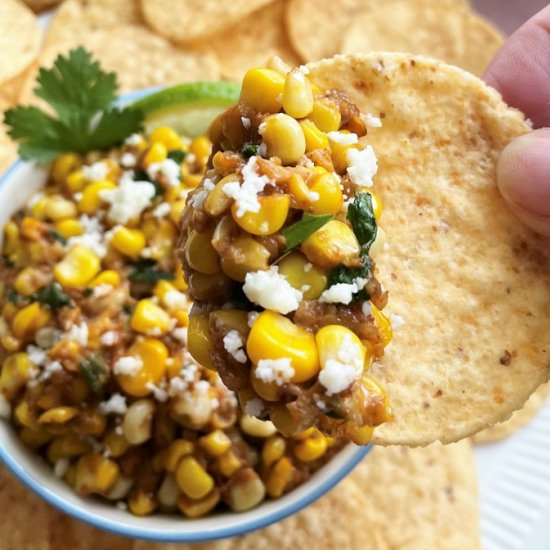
pixel 192 180
pixel 163 240
pixel 167 137
pixel 248 255
pixel 175 452
pixel 201 147
pixel 200 254
pixel 69 228
pixel 95 474
pixel 108 277
pixel 176 210
pixel 303 275
pixel 200 341
pixel 11 240
pixel 23 415
pixel 192 478
pixel 270 217
pixel 157 153
pixel 162 288
pixel 325 195
pixel 129 241
pixel 325 116
pixel 280 477
pixel 273 336
pixel 297 95
pixel 197 508
pixel 273 449
pixel 269 391
pixel 360 435
pixel 91 200
pixel 311 448
pixel 255 427
pixel 78 267
pixel 90 422
pixel 283 421
pixel 38 206
pixel 141 503
pixel 247 491
pixel 228 463
pixel 149 317
pixel 32 229
pixel 275 63
pixel 215 443
pixel 30 319
pixel 179 281
pixel 10 343
pixel 63 166
pixel 116 444
pixel 283 137
pixel 372 387
pixel 339 155
pixel 34 439
pixel 67 446
pixel 75 181
pixel 59 208
pixel 58 415
pixel 299 190
pixel 28 281
pixel 261 89
pixel 379 242
pixel 153 354
pixel 383 324
pixel 16 370
pixel 8 311
pixel 331 245
pixel 376 205
pixel 315 139
pixel 309 432
pixel 217 202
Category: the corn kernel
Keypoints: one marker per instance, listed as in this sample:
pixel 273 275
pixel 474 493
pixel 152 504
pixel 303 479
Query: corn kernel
pixel 196 508
pixel 175 452
pixel 297 95
pixel 179 281
pixel 58 415
pixel 91 200
pixel 129 241
pixel 360 435
pixel 376 205
pixel 200 340
pixel 193 479
pixel 275 63
pixel 215 443
pixel 141 503
pixel 339 155
pixel 261 88
pixel 228 463
pixel 157 153
pixel 273 336
pixel 311 448
pixel 63 166
pixel 59 208
pixel 299 190
pixel 176 210
pixel 167 137
pixel 10 343
pixel 16 370
pixel 149 317
pixel 325 116
pixel 108 277
pixel 283 137
pixel 69 228
pixel 315 139
pixel 255 427
pixel 23 415
pixel 268 391
pixel 116 444
pixel 75 181
pixel 270 217
pixel 30 319
pixel 77 268
pixel 246 492
pixel 325 195
pixel 28 281
pixel 383 324
pixel 11 240
pixel 273 449
pixel 284 421
pixel 280 477
pixel 303 276
pixel 67 446
pixel 201 147
pixel 34 439
pixel 200 254
pixel 217 202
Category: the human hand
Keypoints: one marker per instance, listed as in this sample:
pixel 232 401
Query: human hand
pixel 521 73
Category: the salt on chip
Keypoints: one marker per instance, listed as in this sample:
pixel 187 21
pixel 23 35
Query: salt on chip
pixel 427 28
pixel 471 283
pixel 185 20
pixel 19 38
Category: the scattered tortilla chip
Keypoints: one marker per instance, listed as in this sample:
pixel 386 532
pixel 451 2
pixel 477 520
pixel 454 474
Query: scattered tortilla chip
pixel 517 421
pixel 185 20
pixel 41 5
pixel 317 27
pixel 19 38
pixel 427 28
pixel 252 41
pixel 468 283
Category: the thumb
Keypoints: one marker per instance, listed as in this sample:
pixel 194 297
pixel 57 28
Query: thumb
pixel 523 175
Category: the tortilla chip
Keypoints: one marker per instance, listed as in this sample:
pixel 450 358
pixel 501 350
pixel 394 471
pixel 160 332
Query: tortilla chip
pixel 41 5
pixel 517 421
pixel 317 27
pixel 470 282
pixel 8 149
pixel 425 28
pixel 185 20
pixel 252 41
pixel 19 38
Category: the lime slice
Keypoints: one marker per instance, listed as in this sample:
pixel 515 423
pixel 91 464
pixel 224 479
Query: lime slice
pixel 188 108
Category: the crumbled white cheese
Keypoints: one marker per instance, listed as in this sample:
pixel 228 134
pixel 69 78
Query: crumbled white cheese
pixel 79 333
pixel 342 293
pixel 60 467
pixel 5 407
pixel 128 160
pixel 254 407
pixel 233 344
pixel 102 289
pixel 116 404
pixel 96 172
pixel 346 366
pixel 246 122
pixel 180 334
pixel 168 168
pixel 307 267
pixel 50 368
pixel 371 120
pixel 271 290
pixel 155 331
pixel 362 166
pixel 160 394
pixel 262 150
pixel 274 370
pixel 397 321
pixel 35 199
pixel 128 365
pixel 90 224
pixel 162 210
pixel 133 139
pixel 174 299
pixel 109 338
pixel 92 241
pixel 128 200
pixel 197 200
pixel 37 356
pixel 245 195
pixel 121 505
pixel 366 308
pixel 342 138
pixel 252 317
pixel 305 288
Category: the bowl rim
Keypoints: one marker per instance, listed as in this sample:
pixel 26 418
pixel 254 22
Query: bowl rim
pixel 178 536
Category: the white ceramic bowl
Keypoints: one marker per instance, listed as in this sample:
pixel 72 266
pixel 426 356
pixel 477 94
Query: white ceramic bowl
pixel 18 183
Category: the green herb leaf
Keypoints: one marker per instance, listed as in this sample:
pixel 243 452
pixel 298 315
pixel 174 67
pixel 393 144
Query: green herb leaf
pixel 343 274
pixel 56 236
pixel 128 309
pixel 95 372
pixel 146 271
pixel 177 155
pixel 249 150
pixel 14 297
pixel 361 216
pixel 52 296
pixel 81 94
pixel 299 231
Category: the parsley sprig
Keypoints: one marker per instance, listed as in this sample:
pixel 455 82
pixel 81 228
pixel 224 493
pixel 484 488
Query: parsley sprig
pixel 81 94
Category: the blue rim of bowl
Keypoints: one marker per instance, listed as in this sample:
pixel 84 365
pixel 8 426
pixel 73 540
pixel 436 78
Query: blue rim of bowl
pixel 160 535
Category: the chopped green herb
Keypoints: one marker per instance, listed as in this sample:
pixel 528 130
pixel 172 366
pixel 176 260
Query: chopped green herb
pixel 146 271
pixel 95 373
pixel 56 236
pixel 299 231
pixel 343 274
pixel 177 155
pixel 14 297
pixel 81 94
pixel 52 296
pixel 128 309
pixel 361 216
pixel 249 150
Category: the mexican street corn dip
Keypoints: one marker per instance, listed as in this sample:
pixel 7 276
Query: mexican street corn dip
pixel 95 375
pixel 276 248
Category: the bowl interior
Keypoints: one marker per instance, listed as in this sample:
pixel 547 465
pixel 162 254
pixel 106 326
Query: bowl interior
pixel 21 180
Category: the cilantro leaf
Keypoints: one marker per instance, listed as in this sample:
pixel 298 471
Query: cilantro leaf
pixel 343 274
pixel 299 231
pixel 177 155
pixel 361 216
pixel 81 95
pixel 249 150
pixel 56 236
pixel 52 296
pixel 94 371
pixel 146 271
